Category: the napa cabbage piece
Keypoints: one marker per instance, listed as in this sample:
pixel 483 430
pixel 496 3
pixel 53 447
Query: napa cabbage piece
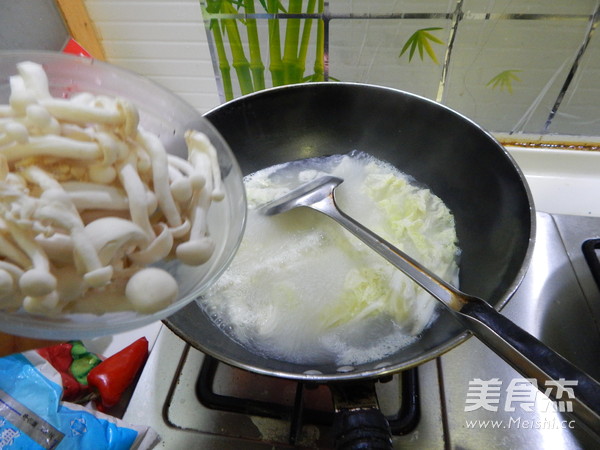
pixel 418 223
pixel 302 288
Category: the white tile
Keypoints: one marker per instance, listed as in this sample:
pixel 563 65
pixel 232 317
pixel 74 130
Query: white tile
pixel 166 40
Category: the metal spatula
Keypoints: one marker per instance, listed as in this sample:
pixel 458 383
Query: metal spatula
pixel 521 350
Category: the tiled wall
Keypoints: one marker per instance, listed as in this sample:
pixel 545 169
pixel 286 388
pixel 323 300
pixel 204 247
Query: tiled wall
pixel 162 39
pixel 552 47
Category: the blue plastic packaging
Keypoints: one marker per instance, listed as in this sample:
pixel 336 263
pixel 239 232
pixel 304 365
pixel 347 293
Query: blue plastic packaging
pixel 32 415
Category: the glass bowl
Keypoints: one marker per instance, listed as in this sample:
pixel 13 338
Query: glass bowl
pixel 167 116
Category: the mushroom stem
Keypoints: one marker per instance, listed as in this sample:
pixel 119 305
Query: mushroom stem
pixel 160 177
pixel 42 304
pixel 52 145
pixel 87 196
pixel 35 79
pixel 13 253
pixel 37 280
pixel 112 237
pixel 14 270
pixel 136 193
pixel 156 250
pixel 20 96
pixel 59 210
pixel 181 186
pixel 40 121
pixel 199 247
pixel 96 275
pixel 13 131
pixel 198 143
pixel 76 132
pixel 9 280
pixel 58 247
pixel 198 212
pixel 79 113
pixel 9 250
pixel 181 164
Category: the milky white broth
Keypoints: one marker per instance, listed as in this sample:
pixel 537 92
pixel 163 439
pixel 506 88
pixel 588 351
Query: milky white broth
pixel 303 289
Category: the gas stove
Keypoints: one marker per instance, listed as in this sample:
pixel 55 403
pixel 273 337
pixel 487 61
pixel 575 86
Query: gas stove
pixel 193 401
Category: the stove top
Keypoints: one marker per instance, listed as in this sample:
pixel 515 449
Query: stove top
pixel 558 302
pixel 257 410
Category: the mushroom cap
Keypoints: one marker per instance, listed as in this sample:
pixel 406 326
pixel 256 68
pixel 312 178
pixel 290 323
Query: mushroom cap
pixel 151 289
pixel 196 252
pixel 110 236
pixel 37 283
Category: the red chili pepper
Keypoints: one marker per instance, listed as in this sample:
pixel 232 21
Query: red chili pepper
pixel 112 376
pixel 60 357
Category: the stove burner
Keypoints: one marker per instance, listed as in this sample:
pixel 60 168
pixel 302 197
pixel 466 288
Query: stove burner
pixel 301 411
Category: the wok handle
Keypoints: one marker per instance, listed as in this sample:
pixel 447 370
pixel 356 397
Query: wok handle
pixel 533 359
pixel 359 423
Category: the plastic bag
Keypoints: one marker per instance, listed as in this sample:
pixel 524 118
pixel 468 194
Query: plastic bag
pixel 32 415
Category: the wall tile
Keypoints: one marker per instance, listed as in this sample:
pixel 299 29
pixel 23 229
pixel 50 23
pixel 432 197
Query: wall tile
pixel 161 39
pixel 376 57
pixel 541 61
pixel 382 7
pixel 579 111
pixel 538 39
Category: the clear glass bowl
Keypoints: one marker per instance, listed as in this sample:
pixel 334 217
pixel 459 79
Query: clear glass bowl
pixel 168 116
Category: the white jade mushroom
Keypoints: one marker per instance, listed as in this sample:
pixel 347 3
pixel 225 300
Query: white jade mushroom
pixel 200 246
pixel 136 193
pixel 96 196
pixel 38 119
pixel 159 248
pixel 12 252
pixel 37 280
pixel 81 113
pixel 53 145
pixel 34 79
pixel 89 195
pixel 9 279
pixel 198 144
pixel 112 237
pixel 160 177
pixel 58 209
pixel 58 247
pixel 151 289
pixel 12 131
pixel 20 96
pixel 181 186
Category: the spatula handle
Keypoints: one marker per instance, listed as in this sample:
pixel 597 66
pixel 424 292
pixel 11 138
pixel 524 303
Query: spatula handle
pixel 533 359
pixel 521 350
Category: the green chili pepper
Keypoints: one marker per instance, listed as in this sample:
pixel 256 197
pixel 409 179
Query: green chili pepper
pixel 83 362
pixel 61 358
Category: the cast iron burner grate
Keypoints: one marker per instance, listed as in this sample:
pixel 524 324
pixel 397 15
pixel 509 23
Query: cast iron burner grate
pixel 590 249
pixel 402 421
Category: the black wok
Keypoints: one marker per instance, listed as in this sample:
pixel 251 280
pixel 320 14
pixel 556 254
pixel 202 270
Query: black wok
pixel 460 162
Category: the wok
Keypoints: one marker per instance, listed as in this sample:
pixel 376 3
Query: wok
pixel 458 160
